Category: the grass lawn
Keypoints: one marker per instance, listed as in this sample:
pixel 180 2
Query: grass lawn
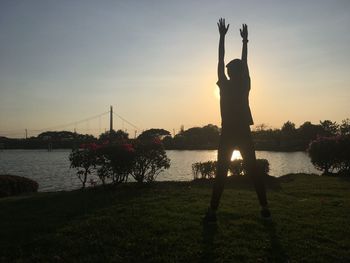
pixel 162 223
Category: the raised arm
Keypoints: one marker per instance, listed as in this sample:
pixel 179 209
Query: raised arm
pixel 244 35
pixel 221 65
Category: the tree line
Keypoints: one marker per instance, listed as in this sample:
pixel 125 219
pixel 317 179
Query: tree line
pixel 287 138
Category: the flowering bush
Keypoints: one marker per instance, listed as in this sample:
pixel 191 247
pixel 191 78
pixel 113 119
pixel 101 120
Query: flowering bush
pixel 115 161
pixel 150 160
pixel 344 155
pixel 330 154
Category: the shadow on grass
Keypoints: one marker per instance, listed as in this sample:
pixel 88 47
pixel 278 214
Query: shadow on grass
pixel 25 218
pixel 240 182
pixel 345 178
pixel 276 253
pixel 208 246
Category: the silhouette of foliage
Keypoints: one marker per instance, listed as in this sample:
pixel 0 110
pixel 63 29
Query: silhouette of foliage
pixel 288 138
pixel 197 138
pixel 329 128
pixel 288 128
pixel 330 154
pixel 345 127
pixel 150 160
pixel 114 135
pixel 84 159
pixel 15 185
pixel 56 135
pixel 207 170
pixel 308 131
pixel 153 133
pixel 115 162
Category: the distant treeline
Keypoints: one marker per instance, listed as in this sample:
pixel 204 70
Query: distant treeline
pixel 287 138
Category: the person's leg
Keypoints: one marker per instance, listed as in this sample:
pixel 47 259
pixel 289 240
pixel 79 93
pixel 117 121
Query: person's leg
pixel 249 160
pixel 224 157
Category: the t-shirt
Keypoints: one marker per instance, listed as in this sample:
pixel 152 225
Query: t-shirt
pixel 234 102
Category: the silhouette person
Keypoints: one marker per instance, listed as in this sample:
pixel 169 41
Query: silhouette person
pixel 235 126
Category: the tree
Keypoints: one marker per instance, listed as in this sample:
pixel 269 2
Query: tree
pixel 322 153
pixel 84 160
pixel 150 160
pixel 288 128
pixel 168 142
pixel 57 135
pixel 345 127
pixel 331 154
pixel 115 161
pixel 261 127
pixel 198 137
pixel 329 128
pixel 308 131
pixel 118 135
pixel 154 133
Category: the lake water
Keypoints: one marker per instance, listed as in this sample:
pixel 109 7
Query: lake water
pixel 51 169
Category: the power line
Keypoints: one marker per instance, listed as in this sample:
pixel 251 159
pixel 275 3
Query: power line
pixel 72 123
pixel 20 131
pixel 128 122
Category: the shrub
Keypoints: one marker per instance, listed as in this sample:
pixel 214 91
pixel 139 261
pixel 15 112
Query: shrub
pixel 115 162
pixel 84 160
pixel 343 155
pixel 208 169
pixel 330 154
pixel 14 185
pixel 150 160
pixel 204 169
pixel 143 160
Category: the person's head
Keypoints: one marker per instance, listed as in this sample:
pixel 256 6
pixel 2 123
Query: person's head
pixel 234 68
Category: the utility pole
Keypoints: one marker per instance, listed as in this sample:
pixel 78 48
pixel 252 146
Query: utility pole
pixel 26 133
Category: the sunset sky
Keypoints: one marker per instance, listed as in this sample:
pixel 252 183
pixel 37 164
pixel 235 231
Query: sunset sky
pixel 155 62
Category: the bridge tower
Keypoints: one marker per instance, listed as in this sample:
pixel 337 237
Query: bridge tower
pixel 111 120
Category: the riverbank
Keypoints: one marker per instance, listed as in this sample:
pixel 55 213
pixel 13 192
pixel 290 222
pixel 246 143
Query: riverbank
pixel 162 223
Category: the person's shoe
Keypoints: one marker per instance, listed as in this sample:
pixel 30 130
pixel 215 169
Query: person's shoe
pixel 265 213
pixel 210 217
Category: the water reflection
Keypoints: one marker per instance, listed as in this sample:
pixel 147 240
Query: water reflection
pixel 51 169
pixel 236 155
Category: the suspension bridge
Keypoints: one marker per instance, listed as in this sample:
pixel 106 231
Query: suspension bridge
pixel 94 125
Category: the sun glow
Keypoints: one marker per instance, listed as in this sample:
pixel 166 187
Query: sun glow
pixel 216 93
pixel 236 155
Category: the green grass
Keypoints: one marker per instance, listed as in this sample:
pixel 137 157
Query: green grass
pixel 162 223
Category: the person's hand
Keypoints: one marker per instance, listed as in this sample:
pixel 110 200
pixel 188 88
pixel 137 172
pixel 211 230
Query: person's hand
pixel 244 32
pixel 222 28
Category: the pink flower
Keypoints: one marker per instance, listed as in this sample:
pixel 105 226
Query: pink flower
pixel 157 141
pixel 90 146
pixel 128 147
pixel 93 146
